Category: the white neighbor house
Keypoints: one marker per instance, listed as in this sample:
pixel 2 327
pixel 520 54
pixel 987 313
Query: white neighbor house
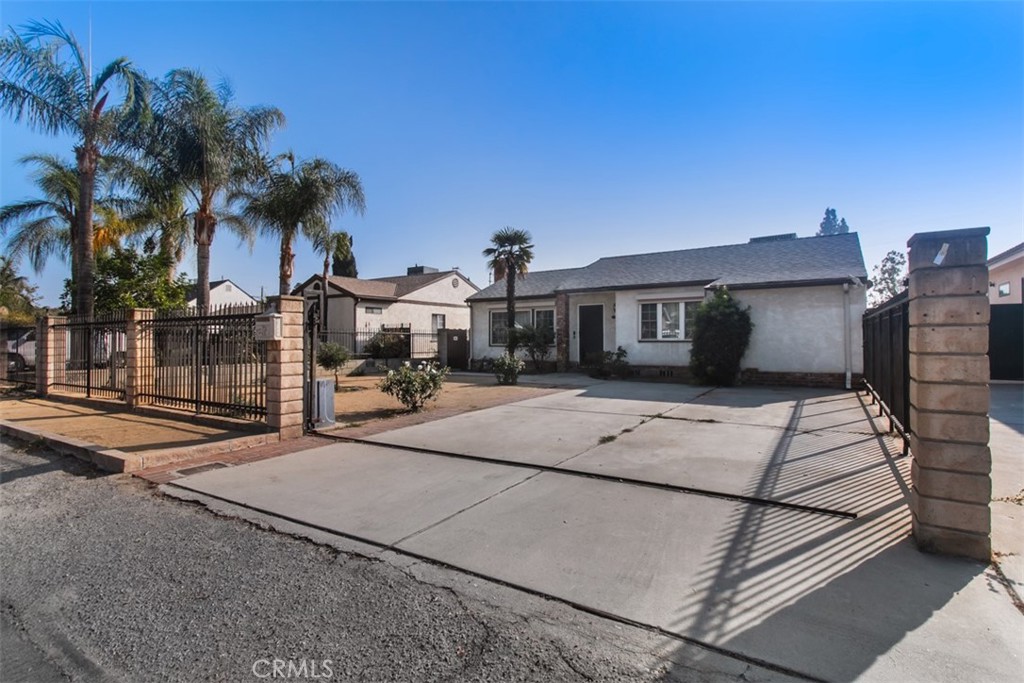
pixel 806 299
pixel 423 300
pixel 222 293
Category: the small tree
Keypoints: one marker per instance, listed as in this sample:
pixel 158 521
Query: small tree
pixel 127 279
pixel 830 225
pixel 536 341
pixel 721 335
pixel 888 277
pixel 333 357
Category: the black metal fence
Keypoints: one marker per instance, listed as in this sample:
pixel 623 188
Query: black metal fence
pixel 389 342
pixel 89 355
pixel 887 361
pixel 210 363
pixel 19 367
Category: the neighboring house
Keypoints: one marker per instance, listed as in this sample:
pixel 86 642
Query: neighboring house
pixel 222 293
pixel 1006 276
pixel 423 300
pixel 806 299
pixel 1006 322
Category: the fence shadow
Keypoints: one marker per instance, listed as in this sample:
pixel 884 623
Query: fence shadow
pixel 820 595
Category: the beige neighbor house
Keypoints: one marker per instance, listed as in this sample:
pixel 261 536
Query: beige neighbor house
pixel 806 299
pixel 420 302
pixel 1006 276
pixel 222 293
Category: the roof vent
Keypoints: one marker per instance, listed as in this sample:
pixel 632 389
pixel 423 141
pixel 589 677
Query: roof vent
pixel 774 238
pixel 419 270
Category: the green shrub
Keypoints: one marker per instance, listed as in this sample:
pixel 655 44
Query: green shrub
pixel 507 369
pixel 386 344
pixel 536 341
pixel 413 388
pixel 331 356
pixel 721 335
pixel 609 364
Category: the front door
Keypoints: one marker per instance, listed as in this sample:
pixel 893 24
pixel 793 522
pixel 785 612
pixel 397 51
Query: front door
pixel 591 334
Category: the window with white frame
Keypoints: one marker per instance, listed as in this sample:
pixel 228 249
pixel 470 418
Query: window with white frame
pixel 544 319
pixel 374 310
pixel 1004 289
pixel 667 320
pixel 499 326
pixel 436 322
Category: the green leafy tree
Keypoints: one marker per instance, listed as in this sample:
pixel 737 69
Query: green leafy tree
pixel 721 336
pixel 830 225
pixel 343 259
pixel 293 199
pixel 888 277
pixel 127 279
pixel 509 256
pixel 17 296
pixel 202 140
pixel 47 82
pixel 536 341
pixel 333 357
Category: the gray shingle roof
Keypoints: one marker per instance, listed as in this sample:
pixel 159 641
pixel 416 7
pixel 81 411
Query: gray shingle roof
pixel 533 284
pixel 787 261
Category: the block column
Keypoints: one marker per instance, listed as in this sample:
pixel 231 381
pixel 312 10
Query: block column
pixel 139 356
pixel 48 341
pixel 562 331
pixel 284 369
pixel 949 394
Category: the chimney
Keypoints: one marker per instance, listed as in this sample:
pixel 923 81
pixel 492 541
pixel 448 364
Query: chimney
pixel 419 270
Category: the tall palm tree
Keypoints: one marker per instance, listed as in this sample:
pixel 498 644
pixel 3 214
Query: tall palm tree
pixel 203 141
pixel 47 226
pixel 57 94
pixel 510 255
pixel 299 198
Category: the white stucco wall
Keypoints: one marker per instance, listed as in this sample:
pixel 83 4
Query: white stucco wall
pixel 627 326
pixel 480 322
pixel 417 308
pixel 800 329
pixel 227 294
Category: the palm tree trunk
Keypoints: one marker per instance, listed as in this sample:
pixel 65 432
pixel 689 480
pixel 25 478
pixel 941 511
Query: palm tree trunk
pixel 86 156
pixel 205 224
pixel 510 308
pixel 167 251
pixel 287 265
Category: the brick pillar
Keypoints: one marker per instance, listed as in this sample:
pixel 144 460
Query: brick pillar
pixel 47 355
pixel 949 395
pixel 284 369
pixel 139 357
pixel 562 331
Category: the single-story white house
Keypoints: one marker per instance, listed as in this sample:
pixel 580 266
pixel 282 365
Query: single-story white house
pixel 806 299
pixel 222 293
pixel 423 300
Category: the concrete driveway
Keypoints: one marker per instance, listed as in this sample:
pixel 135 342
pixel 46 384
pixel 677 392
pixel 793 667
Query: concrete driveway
pixel 771 524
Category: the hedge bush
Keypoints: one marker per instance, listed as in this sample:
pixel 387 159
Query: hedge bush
pixel 721 336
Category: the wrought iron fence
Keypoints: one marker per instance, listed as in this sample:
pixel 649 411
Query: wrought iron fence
pixel 90 355
pixel 209 363
pixel 887 361
pixel 19 365
pixel 388 342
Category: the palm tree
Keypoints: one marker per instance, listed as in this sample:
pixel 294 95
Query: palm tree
pixel 510 256
pixel 57 95
pixel 48 225
pixel 298 198
pixel 201 140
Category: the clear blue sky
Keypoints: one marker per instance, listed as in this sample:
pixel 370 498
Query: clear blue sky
pixel 604 128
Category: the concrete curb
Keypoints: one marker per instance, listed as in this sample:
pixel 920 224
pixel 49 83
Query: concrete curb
pixel 117 461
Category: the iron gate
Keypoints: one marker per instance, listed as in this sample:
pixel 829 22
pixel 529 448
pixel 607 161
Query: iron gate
pixel 204 363
pixel 89 355
pixel 887 361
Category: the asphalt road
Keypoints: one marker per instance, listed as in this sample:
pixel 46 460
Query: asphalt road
pixel 104 579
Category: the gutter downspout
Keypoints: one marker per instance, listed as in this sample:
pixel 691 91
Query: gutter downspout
pixel 847 358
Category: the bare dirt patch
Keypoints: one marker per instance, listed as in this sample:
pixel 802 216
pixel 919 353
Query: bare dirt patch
pixel 361 409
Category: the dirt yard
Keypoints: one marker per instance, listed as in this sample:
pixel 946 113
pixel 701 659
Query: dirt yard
pixel 361 409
